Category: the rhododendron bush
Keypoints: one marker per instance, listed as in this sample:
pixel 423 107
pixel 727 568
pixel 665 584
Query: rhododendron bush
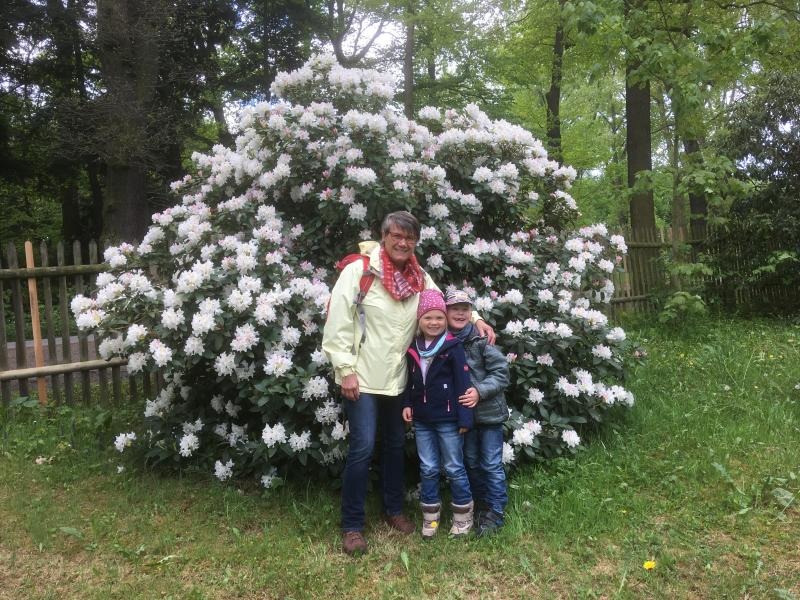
pixel 226 294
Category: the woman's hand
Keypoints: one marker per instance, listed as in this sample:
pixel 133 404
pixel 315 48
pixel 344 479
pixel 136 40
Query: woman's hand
pixel 407 415
pixel 485 330
pixel 462 430
pixel 350 387
pixel 469 398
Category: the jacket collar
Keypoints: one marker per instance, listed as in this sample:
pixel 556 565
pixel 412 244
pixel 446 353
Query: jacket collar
pixel 449 341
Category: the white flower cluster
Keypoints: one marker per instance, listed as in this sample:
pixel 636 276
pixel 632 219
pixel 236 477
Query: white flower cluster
pixel 232 292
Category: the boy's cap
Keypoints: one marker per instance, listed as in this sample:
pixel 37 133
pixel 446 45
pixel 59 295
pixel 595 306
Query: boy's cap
pixel 457 297
pixel 430 300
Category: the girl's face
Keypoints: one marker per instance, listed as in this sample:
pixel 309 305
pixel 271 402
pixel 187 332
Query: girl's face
pixel 432 323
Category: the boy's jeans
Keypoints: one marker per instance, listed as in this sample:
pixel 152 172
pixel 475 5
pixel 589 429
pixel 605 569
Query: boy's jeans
pixel 440 445
pixel 365 415
pixel 483 455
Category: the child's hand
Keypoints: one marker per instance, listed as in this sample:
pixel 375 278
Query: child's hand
pixel 462 430
pixel 469 398
pixel 407 415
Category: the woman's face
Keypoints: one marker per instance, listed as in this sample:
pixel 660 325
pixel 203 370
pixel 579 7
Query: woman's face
pixel 432 323
pixel 399 245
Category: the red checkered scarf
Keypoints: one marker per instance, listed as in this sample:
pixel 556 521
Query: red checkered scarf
pixel 402 285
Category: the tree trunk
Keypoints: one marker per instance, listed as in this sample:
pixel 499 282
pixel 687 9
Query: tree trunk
pixel 128 38
pixel 698 205
pixel 553 96
pixel 70 211
pixel 225 137
pixel 130 214
pixel 408 65
pixel 638 147
pixel 638 144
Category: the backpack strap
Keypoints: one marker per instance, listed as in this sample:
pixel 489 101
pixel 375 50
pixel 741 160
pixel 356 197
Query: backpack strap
pixel 367 277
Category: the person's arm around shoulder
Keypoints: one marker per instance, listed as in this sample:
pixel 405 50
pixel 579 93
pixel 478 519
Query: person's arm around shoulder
pixel 462 383
pixel 483 328
pixel 497 372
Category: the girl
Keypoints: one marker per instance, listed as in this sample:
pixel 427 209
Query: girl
pixel 437 375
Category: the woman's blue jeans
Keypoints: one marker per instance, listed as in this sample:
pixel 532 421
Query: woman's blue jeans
pixel 439 445
pixel 365 416
pixel 483 455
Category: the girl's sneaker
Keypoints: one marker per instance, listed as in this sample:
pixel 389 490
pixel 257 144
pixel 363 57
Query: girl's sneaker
pixel 431 513
pixel 462 519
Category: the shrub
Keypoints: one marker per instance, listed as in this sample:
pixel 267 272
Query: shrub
pixel 226 293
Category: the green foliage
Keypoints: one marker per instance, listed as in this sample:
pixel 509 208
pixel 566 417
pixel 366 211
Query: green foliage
pixel 759 243
pixel 682 308
pixel 647 489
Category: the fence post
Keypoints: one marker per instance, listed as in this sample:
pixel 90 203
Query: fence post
pixel 19 317
pixel 5 386
pixel 83 342
pixel 51 336
pixel 66 344
pixel 36 325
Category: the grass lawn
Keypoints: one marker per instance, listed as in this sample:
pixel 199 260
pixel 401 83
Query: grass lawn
pixel 701 477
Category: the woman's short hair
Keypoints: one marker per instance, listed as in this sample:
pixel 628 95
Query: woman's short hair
pixel 403 220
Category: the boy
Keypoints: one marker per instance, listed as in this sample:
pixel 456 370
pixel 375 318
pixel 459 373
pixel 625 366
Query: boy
pixel 483 444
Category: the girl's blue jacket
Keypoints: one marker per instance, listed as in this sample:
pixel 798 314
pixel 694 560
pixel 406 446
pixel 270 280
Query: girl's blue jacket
pixel 436 400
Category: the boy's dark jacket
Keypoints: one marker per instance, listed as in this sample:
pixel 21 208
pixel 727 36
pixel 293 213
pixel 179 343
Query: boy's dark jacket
pixel 436 400
pixel 489 374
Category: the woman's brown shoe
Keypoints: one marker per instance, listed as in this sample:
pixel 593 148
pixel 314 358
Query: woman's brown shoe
pixel 400 522
pixel 353 542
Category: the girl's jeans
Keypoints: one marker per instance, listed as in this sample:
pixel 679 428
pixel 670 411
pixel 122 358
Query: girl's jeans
pixel 365 415
pixel 441 446
pixel 483 455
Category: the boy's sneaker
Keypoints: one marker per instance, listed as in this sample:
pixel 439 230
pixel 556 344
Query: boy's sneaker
pixel 489 524
pixel 353 543
pixel 480 509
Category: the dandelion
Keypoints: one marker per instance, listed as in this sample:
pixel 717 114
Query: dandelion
pixel 649 565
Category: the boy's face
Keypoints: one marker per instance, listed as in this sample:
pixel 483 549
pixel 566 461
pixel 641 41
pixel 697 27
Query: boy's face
pixel 458 316
pixel 432 323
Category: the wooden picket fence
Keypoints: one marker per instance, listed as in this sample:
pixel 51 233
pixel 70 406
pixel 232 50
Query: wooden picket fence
pixel 65 360
pixel 64 366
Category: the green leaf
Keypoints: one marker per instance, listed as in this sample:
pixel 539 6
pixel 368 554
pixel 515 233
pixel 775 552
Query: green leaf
pixel 404 559
pixel 72 532
pixel 784 497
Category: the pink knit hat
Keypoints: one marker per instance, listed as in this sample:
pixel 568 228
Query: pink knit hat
pixel 430 300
